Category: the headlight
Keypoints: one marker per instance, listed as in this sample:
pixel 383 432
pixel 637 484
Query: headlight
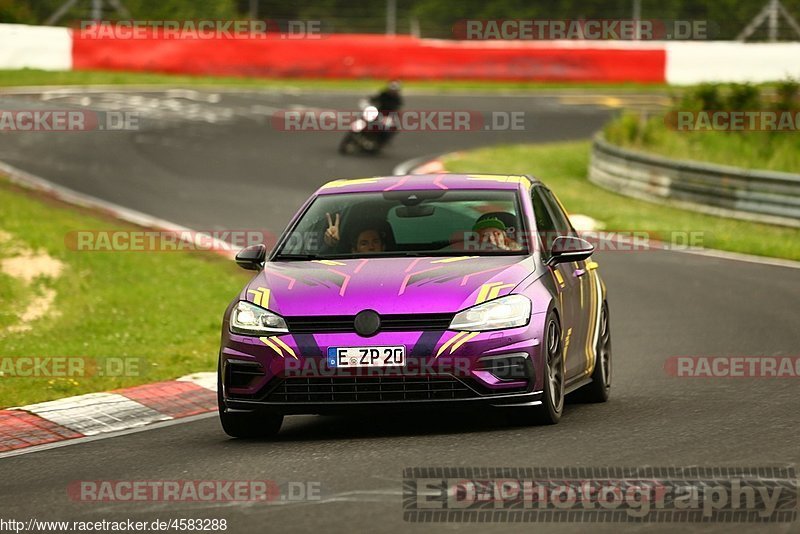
pixel 370 113
pixel 247 318
pixel 506 312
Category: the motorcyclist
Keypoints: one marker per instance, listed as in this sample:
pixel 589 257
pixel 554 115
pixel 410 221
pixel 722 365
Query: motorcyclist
pixel 389 99
pixel 374 130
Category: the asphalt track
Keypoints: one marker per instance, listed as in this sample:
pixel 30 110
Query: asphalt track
pixel 217 163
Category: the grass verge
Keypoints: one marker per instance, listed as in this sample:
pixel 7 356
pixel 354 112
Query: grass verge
pixel 686 130
pixel 158 312
pixel 776 151
pixel 563 166
pixel 33 77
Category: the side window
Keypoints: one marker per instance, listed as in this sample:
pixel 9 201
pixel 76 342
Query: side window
pixel 560 219
pixel 545 227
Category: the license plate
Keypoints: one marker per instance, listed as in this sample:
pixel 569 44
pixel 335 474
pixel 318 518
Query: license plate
pixel 366 356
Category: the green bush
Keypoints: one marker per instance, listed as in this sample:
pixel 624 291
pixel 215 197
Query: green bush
pixel 774 150
pixel 743 96
pixel 786 93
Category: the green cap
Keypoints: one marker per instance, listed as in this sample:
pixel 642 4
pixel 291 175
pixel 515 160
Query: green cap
pixel 491 222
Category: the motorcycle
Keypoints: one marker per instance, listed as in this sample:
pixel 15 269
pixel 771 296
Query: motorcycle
pixel 369 133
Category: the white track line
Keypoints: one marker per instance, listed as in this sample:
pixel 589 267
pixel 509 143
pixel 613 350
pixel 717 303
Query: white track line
pixel 36 183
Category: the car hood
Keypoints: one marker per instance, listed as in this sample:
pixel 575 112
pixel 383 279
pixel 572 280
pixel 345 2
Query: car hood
pixel 386 285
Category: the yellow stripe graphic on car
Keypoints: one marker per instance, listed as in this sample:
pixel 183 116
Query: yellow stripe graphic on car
pixel 280 342
pixel 345 182
pixel 591 265
pixel 495 291
pixel 463 340
pixel 449 342
pixel 593 298
pixel 268 342
pixel 504 179
pixel 260 296
pixel 559 278
pixel 328 262
pixel 484 291
pixel 491 291
pixel 457 258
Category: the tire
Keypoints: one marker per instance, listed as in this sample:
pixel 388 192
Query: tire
pixel 600 387
pixel 245 424
pixel 349 145
pixel 549 412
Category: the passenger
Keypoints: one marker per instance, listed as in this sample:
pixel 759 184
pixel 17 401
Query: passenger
pixel 370 237
pixel 368 241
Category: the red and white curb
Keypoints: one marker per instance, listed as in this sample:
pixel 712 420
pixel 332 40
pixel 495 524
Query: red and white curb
pixel 94 414
pixel 99 413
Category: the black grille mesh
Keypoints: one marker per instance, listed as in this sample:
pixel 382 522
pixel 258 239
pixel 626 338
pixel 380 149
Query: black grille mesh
pixel 317 324
pixel 368 389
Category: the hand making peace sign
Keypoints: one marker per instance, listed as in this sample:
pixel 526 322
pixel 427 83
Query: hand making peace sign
pixel 332 232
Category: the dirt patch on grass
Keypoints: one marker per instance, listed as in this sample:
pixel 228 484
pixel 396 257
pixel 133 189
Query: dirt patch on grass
pixel 36 269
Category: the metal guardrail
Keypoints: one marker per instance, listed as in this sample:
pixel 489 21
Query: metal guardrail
pixel 756 195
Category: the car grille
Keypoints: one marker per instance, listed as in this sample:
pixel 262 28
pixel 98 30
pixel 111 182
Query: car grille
pixel 319 324
pixel 368 389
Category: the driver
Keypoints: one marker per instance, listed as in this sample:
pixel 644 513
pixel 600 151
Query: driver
pixel 491 231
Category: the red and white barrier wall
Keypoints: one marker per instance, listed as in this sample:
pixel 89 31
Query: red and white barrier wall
pixel 377 56
pixel 35 47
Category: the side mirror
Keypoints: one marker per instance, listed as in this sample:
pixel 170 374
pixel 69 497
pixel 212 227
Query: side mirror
pixel 251 258
pixel 569 248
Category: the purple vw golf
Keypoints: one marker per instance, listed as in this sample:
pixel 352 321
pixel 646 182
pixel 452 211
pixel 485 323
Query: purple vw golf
pixel 402 292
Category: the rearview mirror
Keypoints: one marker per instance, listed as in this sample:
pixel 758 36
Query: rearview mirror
pixel 407 212
pixel 251 258
pixel 569 248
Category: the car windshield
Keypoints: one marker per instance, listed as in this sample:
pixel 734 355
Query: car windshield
pixel 406 223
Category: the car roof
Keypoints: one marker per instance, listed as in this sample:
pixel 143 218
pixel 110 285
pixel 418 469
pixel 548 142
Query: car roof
pixel 427 181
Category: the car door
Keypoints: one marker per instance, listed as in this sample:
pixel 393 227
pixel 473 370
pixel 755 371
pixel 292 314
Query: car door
pixel 567 280
pixel 586 306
